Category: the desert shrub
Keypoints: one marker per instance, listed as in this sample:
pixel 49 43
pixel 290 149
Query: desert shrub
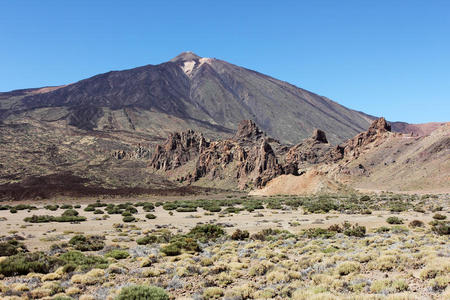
pixel 11 247
pixel 24 263
pixel 24 207
pixel 394 220
pixel 77 206
pixel 335 228
pixel 149 239
pixel 419 209
pixel 98 211
pixel 206 232
pixel 318 232
pixel 90 207
pixel 186 209
pixel 346 268
pixel 321 205
pixel 171 250
pixel 138 292
pixel 66 206
pixel 212 293
pixel 47 219
pixel 13 210
pixel 84 243
pixel 398 206
pixel 213 208
pixel 441 228
pixel 128 219
pixel 148 207
pixel 354 230
pixel 170 206
pixel 51 207
pixel 76 260
pixel 416 223
pixel 240 235
pixel 150 216
pixel 126 213
pixel 365 198
pixel 70 213
pixel 382 229
pixel 232 210
pixel 117 254
pixel 439 217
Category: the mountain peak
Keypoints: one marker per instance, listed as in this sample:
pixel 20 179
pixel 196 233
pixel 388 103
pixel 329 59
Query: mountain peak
pixel 185 56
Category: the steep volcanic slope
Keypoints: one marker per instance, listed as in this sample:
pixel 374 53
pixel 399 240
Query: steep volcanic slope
pixel 205 94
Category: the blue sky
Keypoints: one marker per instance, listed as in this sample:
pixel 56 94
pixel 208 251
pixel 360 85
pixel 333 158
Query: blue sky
pixel 386 58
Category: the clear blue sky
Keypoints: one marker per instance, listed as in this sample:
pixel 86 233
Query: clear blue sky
pixel 386 58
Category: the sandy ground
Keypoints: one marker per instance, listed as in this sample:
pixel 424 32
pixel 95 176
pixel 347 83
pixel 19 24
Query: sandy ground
pixel 41 236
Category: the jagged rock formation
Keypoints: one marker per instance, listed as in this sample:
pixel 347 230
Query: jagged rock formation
pixel 178 149
pixel 247 158
pixel 251 159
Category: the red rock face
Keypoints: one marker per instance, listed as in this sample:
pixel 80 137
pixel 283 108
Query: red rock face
pixel 249 157
pixel 374 135
pixel 178 149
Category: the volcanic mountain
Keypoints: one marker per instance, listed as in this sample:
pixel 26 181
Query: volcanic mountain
pixel 105 135
pixel 204 94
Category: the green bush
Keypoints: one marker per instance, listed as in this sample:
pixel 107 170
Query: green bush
pixel 354 230
pixel 439 217
pixel 66 206
pixel 51 207
pixel 149 239
pixel 126 213
pixel 147 207
pixel 382 229
pixel 365 198
pixel 320 205
pixel 394 220
pixel 47 219
pixel 206 232
pixel 90 207
pixel 84 243
pixel 150 216
pixel 11 247
pixel 24 263
pixel 318 232
pixel 140 292
pixel 171 250
pixel 117 254
pixel 128 219
pixel 98 212
pixel 70 213
pixel 76 260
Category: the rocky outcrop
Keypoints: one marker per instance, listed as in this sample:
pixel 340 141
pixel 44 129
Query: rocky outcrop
pixel 251 159
pixel 178 149
pixel 375 135
pixel 138 153
pixel 248 131
pixel 310 151
pixel 247 158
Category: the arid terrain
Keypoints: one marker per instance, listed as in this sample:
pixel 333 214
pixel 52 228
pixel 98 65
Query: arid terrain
pixel 199 179
pixel 231 246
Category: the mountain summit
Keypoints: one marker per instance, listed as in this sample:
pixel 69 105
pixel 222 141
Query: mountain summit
pixel 205 94
pixel 185 56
